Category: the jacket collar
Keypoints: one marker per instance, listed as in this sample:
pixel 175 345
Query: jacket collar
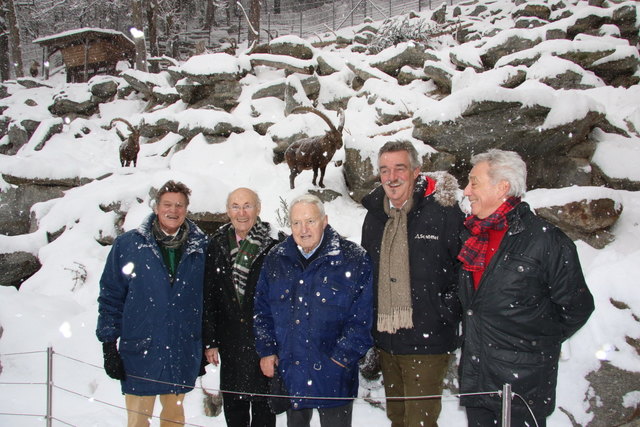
pixel 196 239
pixel 515 218
pixel 329 247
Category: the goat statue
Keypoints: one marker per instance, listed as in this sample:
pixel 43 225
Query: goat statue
pixel 129 149
pixel 314 152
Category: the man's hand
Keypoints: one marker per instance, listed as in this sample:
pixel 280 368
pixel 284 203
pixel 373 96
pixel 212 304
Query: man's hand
pixel 113 365
pixel 268 365
pixel 212 356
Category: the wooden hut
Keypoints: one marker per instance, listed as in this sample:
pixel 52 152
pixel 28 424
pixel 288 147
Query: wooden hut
pixel 89 51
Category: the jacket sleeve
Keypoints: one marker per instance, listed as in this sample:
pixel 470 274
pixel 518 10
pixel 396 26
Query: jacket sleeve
pixel 263 326
pixel 211 301
pixel 450 299
pixel 113 293
pixel 569 290
pixel 356 333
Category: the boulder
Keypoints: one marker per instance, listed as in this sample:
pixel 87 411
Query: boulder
pixel 16 267
pixel 586 220
pixel 104 89
pixel 63 106
pixel 512 44
pixel 495 124
pixel 392 59
pixel 282 62
pixel 293 46
pixel 440 74
pixel 533 10
pixel 16 202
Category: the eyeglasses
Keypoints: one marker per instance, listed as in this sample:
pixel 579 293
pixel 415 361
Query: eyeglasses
pixel 238 208
pixel 310 222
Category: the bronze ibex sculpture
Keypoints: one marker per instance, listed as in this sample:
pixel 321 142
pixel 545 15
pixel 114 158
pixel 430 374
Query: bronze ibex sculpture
pixel 314 152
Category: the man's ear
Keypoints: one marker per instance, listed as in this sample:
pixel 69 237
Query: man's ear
pixel 416 172
pixel 504 186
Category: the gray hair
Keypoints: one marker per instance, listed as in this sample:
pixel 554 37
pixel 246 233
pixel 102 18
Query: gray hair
pixel 307 198
pixel 507 166
pixel 393 146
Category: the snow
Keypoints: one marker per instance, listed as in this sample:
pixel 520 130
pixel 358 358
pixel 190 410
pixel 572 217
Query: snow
pixel 56 308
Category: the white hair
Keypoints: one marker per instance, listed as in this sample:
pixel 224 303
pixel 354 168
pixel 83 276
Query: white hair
pixel 505 166
pixel 307 198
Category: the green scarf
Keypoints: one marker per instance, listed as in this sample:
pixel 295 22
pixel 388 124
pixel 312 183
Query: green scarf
pixel 170 246
pixel 242 257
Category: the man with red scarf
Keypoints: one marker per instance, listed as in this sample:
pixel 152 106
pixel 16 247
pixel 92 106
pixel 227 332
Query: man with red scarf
pixel 522 291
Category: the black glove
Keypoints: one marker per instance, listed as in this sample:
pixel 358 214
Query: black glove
pixel 112 362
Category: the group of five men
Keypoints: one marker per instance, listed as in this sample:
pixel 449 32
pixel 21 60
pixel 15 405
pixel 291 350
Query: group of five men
pixel 303 310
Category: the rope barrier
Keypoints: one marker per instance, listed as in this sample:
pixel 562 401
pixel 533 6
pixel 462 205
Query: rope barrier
pixel 365 399
pixel 93 399
pixel 22 415
pixel 22 353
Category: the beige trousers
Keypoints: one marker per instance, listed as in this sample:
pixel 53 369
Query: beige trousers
pixel 140 410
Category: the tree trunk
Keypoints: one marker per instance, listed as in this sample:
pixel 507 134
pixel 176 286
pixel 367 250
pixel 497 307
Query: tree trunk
pixel 14 37
pixel 254 22
pixel 5 73
pixel 210 16
pixel 138 36
pixel 152 22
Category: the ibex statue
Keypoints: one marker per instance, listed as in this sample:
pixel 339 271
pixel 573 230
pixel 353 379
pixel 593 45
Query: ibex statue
pixel 129 149
pixel 314 152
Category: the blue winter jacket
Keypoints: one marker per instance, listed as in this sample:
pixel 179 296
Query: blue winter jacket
pixel 308 316
pixel 159 324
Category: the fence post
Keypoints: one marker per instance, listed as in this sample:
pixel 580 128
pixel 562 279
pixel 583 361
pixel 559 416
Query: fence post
pixel 49 386
pixel 333 9
pixel 301 24
pixel 506 405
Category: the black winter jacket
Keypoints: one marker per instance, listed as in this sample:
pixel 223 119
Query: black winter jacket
pixel 229 325
pixel 531 298
pixel 434 225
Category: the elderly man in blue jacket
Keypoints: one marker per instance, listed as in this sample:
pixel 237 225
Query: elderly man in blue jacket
pixel 313 314
pixel 151 300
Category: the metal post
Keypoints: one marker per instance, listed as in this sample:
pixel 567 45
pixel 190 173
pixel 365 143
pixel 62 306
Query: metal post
pixel 49 386
pixel 333 8
pixel 506 405
pixel 419 5
pixel 301 24
pixel 352 12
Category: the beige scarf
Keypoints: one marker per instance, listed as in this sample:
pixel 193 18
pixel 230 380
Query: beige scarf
pixel 394 281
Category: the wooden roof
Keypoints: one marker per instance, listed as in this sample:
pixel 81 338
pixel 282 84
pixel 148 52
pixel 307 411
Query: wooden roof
pixel 72 37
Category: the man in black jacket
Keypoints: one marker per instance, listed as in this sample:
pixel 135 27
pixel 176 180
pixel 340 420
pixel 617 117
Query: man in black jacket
pixel 523 294
pixel 234 259
pixel 411 232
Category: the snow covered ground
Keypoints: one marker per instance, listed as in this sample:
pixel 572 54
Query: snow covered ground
pixel 57 308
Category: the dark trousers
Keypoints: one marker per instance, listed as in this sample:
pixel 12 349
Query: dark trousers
pixel 247 413
pixel 483 417
pixel 339 416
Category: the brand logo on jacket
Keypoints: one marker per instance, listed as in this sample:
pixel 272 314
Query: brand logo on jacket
pixel 420 236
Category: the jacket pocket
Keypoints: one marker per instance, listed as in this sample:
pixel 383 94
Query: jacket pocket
pixel 522 280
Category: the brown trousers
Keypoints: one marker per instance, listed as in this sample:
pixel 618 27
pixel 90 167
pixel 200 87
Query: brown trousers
pixel 413 375
pixel 140 410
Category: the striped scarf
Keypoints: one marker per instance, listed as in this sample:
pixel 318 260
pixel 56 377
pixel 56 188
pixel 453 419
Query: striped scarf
pixel 473 253
pixel 242 257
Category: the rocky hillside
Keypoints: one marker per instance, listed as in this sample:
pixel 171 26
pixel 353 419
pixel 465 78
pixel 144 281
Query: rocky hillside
pixel 555 80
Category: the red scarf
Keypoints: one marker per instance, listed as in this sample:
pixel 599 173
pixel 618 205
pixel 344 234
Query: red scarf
pixel 474 251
